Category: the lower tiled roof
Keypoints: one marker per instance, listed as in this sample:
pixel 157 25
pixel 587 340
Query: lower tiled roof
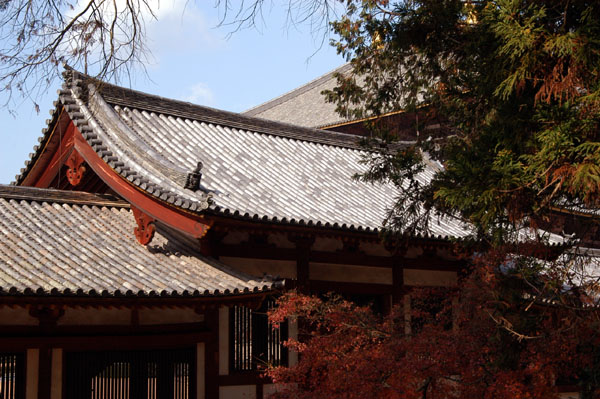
pixel 54 247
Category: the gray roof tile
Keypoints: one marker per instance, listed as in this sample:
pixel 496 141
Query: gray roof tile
pixel 47 244
pixel 253 168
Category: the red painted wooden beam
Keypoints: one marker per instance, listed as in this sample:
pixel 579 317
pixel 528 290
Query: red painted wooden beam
pixel 177 219
pixel 62 153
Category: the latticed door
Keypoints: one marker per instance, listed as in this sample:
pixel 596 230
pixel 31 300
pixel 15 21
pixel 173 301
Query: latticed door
pixel 152 374
pixel 254 343
pixel 12 375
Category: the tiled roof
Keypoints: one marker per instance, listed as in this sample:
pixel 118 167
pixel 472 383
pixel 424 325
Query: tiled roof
pixel 305 105
pixel 253 168
pixel 84 245
pixel 577 208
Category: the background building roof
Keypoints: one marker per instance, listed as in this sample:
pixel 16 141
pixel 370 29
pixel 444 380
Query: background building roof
pixel 305 105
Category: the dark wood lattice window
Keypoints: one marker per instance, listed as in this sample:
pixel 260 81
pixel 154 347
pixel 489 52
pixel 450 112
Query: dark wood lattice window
pixel 154 374
pixel 253 341
pixel 12 375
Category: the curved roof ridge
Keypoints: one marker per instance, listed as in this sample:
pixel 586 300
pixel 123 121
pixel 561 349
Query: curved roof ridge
pixel 117 95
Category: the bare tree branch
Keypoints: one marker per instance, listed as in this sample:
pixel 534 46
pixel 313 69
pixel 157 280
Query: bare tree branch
pixel 104 38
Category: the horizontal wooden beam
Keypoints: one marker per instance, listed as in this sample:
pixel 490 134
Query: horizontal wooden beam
pixel 243 378
pixel 320 286
pixel 133 302
pixel 103 330
pixel 230 222
pixel 99 342
pixel 347 258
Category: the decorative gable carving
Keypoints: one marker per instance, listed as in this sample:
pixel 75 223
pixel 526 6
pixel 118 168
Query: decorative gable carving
pixel 75 166
pixel 144 232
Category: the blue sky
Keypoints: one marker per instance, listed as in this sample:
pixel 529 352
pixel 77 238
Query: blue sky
pixel 194 60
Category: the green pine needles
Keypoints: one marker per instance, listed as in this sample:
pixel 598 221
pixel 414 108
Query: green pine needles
pixel 516 86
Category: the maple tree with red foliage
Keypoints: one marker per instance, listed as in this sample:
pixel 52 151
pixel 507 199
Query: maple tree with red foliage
pixel 492 345
pixel 514 88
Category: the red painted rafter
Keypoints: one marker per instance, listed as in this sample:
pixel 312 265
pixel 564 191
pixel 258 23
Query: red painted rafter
pixel 153 208
pixel 73 150
pixel 62 153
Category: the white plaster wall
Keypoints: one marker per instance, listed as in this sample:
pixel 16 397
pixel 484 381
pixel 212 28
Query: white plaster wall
pixel 238 392
pixel 260 267
pixel 431 278
pixel 16 316
pixel 169 316
pixel 223 340
pixel 350 274
pixel 31 374
pixel 91 316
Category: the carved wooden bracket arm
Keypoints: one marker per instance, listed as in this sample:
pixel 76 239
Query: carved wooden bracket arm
pixel 144 232
pixel 76 169
pixel 47 315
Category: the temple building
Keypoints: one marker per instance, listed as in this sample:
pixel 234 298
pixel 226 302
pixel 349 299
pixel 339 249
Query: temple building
pixel 146 238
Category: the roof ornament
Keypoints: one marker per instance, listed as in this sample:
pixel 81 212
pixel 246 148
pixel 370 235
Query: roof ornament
pixel 193 179
pixel 76 169
pixel 144 232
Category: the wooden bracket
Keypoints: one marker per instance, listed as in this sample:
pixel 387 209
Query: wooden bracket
pixel 303 241
pixel 351 245
pixel 75 167
pixel 47 315
pixel 144 232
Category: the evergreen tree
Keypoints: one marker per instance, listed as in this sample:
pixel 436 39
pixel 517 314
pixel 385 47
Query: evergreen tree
pixel 517 85
pixel 514 87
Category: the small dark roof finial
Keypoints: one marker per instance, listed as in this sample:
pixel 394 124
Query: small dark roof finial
pixel 193 179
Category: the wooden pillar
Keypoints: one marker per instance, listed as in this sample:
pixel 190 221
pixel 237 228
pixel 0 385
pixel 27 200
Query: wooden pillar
pixel 211 354
pixel 48 318
pixel 56 389
pixel 224 340
pixel 200 370
pixel 45 373
pixel 32 374
pixel 397 281
pixel 303 245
